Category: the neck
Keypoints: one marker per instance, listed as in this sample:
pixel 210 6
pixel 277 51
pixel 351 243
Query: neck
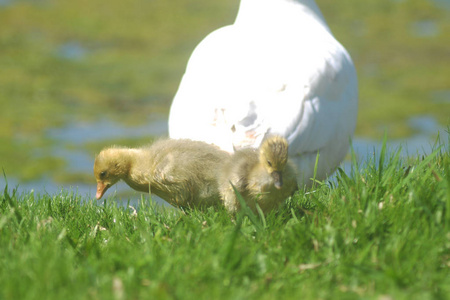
pixel 257 12
pixel 138 176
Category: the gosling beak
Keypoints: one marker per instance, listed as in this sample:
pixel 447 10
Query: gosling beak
pixel 278 180
pixel 101 189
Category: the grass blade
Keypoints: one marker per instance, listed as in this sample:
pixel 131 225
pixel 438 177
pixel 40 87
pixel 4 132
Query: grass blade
pixel 382 157
pixel 245 210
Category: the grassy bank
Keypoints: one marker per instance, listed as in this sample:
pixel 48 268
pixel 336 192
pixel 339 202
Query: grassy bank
pixel 381 232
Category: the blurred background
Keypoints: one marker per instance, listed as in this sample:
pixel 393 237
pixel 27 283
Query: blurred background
pixel 76 76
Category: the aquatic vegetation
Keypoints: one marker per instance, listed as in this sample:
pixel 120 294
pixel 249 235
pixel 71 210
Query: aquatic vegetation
pixel 80 61
pixel 398 70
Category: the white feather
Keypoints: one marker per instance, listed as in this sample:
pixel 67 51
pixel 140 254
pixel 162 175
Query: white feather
pixel 277 69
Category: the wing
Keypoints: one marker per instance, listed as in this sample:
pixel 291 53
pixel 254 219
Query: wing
pixel 196 111
pixel 238 88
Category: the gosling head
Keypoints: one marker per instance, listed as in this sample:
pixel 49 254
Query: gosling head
pixel 109 167
pixel 273 155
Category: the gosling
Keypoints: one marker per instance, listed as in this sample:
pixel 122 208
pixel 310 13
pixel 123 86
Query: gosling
pixel 264 176
pixel 182 172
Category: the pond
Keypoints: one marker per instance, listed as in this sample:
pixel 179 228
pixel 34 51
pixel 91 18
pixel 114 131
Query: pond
pixel 76 78
pixel 70 145
pixel 80 161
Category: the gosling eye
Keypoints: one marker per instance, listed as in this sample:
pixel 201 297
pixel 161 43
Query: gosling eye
pixel 102 174
pixel 269 163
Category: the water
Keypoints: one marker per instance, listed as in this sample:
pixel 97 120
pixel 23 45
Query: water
pixel 120 193
pixel 425 125
pixel 84 132
pixel 442 3
pixel 4 3
pixel 421 143
pixel 441 96
pixel 79 161
pixel 424 29
pixel 71 51
pixel 78 134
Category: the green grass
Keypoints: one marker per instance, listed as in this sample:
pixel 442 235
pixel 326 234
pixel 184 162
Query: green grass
pixel 380 232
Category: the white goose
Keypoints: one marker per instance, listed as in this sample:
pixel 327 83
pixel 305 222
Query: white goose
pixel 278 69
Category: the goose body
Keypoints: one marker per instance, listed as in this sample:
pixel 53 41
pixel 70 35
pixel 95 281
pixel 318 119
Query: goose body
pixel 264 176
pixel 276 70
pixel 182 172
